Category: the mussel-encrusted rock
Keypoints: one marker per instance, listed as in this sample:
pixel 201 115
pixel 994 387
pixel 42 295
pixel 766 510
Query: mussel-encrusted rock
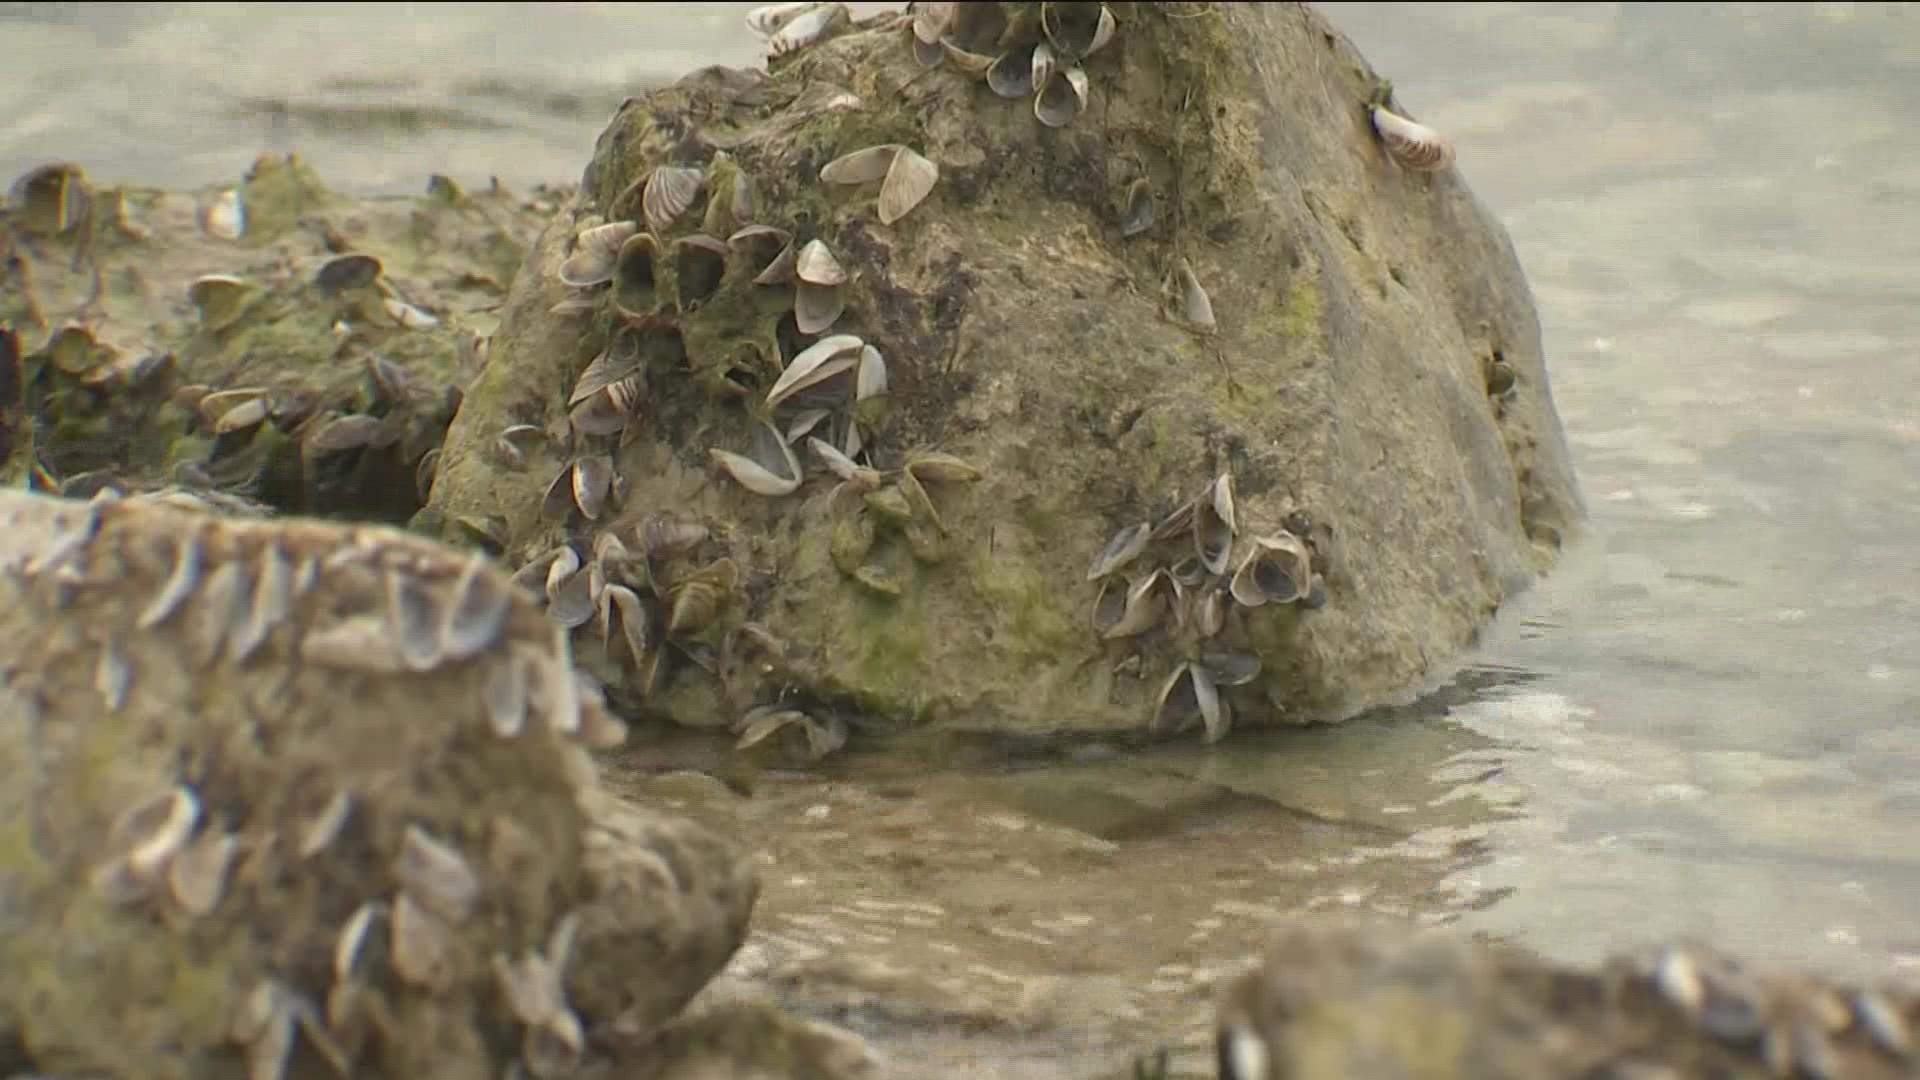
pixel 261 808
pixel 1373 998
pixel 1100 321
pixel 273 299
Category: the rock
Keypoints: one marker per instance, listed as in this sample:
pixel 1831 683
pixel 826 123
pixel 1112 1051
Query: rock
pixel 1367 1001
pixel 224 742
pixel 1364 367
pixel 753 1041
pixel 310 363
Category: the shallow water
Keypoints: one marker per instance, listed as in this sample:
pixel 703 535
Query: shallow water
pixel 1703 724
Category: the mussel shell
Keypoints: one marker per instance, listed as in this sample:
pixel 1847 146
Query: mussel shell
pixel 221 298
pixel 817 307
pixel 617 361
pixel 927 55
pixel 1196 306
pixel 871 381
pixel 635 282
pixel 908 182
pixel 52 199
pixel 1500 378
pixel 558 502
pixel 700 263
pixel 1062 98
pixel 861 166
pixel 1011 74
pixel 670 191
pixel 932 20
pixel 818 362
pixel 807 27
pixel 1277 571
pixel 592 482
pixel 1413 145
pixel 595 253
pixel 767 19
pixel 779 475
pixel 1136 212
pixel 1077 30
pixel 351 270
pixel 1122 548
pixel 816 265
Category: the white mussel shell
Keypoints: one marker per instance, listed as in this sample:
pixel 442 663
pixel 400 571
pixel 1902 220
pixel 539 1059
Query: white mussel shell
pixel 819 296
pixel 594 254
pixel 1195 305
pixel 767 19
pixel 861 166
pixel 816 265
pixel 806 28
pixel 1413 145
pixel 226 216
pixel 871 380
pixel 817 307
pixel 782 478
pixel 670 191
pixel 818 362
pixel 909 181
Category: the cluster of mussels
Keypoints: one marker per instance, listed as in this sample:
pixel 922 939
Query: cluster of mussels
pixel 1015 60
pixel 1197 582
pixel 90 400
pixel 640 579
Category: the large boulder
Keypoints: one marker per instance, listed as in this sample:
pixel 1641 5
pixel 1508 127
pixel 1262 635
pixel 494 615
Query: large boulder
pixel 1368 380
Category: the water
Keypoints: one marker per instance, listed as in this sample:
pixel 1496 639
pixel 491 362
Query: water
pixel 1702 725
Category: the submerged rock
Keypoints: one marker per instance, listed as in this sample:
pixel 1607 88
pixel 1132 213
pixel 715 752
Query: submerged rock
pixel 1176 290
pixel 283 791
pixel 1370 1001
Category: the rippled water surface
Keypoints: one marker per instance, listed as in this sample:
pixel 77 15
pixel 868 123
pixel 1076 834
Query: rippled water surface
pixel 1704 724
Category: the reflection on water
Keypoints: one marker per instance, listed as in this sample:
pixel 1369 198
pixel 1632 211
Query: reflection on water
pixel 1704 724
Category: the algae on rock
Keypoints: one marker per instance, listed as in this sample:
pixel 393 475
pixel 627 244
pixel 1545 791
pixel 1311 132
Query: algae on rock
pixel 1037 325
